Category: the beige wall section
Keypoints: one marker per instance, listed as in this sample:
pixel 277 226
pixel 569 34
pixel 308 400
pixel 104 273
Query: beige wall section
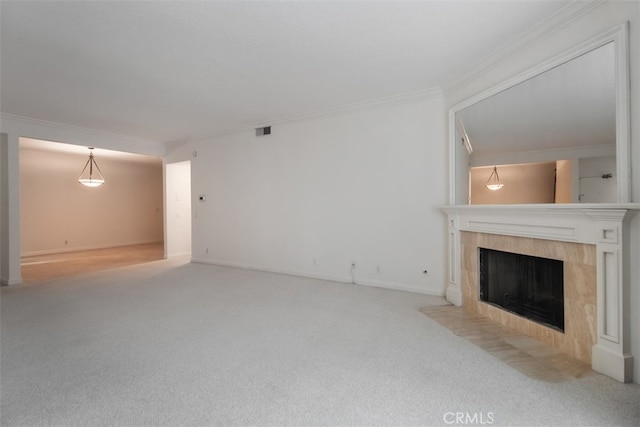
pixel 58 214
pixel 564 181
pixel 526 183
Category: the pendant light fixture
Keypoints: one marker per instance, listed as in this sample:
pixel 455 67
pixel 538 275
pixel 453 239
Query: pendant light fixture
pixel 493 183
pixel 89 178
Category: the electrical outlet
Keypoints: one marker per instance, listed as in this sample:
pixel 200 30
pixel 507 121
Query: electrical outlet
pixel 353 265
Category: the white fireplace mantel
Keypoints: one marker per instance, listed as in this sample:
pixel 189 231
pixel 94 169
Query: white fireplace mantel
pixel 604 225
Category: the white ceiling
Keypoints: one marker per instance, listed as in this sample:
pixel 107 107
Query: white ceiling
pixel 165 71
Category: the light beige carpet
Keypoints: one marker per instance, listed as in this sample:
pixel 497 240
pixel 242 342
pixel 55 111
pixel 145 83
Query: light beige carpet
pixel 170 343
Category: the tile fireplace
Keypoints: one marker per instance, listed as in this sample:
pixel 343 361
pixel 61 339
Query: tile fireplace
pixel 591 241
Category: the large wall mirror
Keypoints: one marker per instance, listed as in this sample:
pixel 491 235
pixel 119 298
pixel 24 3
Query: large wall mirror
pixel 558 133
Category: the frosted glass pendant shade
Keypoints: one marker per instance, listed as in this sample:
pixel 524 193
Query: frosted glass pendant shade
pixel 493 183
pixel 91 176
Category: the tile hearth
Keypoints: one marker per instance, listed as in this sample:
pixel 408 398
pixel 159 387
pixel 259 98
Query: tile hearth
pixel 523 353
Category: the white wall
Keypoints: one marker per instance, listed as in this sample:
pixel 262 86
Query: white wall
pixel 178 208
pixel 362 185
pixel 597 166
pixel 600 19
pixel 10 273
pixel 58 214
pixel 4 243
pixel 634 300
pixel 592 187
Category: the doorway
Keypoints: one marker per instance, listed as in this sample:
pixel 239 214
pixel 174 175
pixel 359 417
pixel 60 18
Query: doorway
pixel 178 214
pixel 67 228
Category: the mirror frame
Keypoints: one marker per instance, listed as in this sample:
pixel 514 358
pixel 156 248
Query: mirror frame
pixel 619 36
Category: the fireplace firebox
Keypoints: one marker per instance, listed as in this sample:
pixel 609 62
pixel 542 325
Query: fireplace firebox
pixel 526 285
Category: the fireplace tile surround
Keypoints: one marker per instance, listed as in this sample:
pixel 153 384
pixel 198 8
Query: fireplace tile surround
pixel 591 239
pixel 579 289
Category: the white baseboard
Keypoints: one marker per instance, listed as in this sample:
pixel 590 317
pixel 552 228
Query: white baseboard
pixel 83 248
pixel 613 364
pixel 398 287
pixel 320 276
pixel 179 254
pixel 10 281
pixel 454 296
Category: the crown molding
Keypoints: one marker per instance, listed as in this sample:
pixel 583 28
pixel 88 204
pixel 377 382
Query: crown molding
pixel 530 37
pixel 388 100
pixel 395 99
pixel 29 121
pixel 58 132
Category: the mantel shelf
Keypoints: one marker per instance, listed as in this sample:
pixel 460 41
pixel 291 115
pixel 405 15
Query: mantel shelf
pixel 542 207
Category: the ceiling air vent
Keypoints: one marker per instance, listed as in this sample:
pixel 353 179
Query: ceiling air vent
pixel 263 131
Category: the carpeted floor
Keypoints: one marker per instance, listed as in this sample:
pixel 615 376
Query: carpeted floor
pixel 171 343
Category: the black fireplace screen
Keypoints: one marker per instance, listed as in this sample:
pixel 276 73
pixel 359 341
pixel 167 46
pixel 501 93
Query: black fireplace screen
pixel 529 286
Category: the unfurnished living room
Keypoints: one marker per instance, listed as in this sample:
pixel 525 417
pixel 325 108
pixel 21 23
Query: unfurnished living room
pixel 319 213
